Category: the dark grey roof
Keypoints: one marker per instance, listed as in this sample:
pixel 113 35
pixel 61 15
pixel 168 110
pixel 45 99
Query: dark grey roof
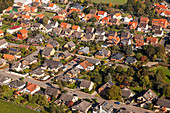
pixel 3 78
pixel 106 106
pixel 163 103
pixel 83 106
pixel 52 91
pixel 85 50
pixel 63 78
pixel 65 53
pixel 66 97
pixel 85 83
pixel 102 52
pixel 48 26
pixel 126 92
pixel 89 35
pixel 3 41
pixel 111 33
pixel 26 21
pixel 148 95
pixel 16 83
pixel 30 58
pixel 54 43
pixel 125 34
pixel 117 56
pixel 77 34
pixel 37 71
pixel 47 51
pixel 36 25
pixel 98 30
pixel 53 23
pixel 93 61
pixel 57 30
pixel 130 59
pixel 71 44
pixel 52 64
pixel 89 29
pixel 107 85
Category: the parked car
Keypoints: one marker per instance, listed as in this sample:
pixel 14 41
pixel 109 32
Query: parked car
pixel 117 103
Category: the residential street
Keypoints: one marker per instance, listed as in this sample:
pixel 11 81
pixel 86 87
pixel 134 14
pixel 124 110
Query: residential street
pixel 78 93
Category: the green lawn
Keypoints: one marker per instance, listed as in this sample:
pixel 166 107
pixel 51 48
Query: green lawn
pixel 49 14
pixel 13 108
pixel 166 72
pixel 121 2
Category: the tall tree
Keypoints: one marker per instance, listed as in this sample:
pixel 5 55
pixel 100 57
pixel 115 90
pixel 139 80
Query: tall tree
pixel 114 93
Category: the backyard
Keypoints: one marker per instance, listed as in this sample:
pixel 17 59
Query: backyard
pixel 114 2
pixel 166 72
pixel 13 108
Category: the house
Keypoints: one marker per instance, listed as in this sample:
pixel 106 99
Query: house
pixel 113 40
pixel 88 37
pixel 93 61
pixel 4 79
pixel 25 23
pixel 66 32
pixel 103 107
pixel 99 31
pixel 160 7
pixel 65 25
pixel 52 91
pixel 82 107
pixel 112 33
pixel 101 38
pixel 36 26
pixel 138 38
pixel 151 40
pixel 39 16
pixel 18 66
pixel 160 22
pixel 2 62
pixel 31 88
pixel 52 6
pixel 52 65
pixel 117 16
pixel 144 20
pixel 128 18
pixel 38 39
pixel 132 25
pixel 105 20
pixel 3 44
pixel 85 84
pixel 165 13
pixel 77 35
pixel 147 95
pixel 89 29
pixel 83 50
pixel 113 21
pixel 142 27
pixel 57 31
pixel 125 35
pixel 66 98
pixel 63 1
pixel 58 17
pixel 14 51
pixel 17 84
pixel 70 45
pixel 104 53
pixel 9 57
pixel 130 60
pixel 54 24
pixel 163 103
pixel 156 27
pixel 48 52
pixel 127 93
pixel 47 28
pixel 73 72
pixel 65 55
pixel 102 14
pixel 22 34
pixel 103 89
pixel 125 42
pixel 38 72
pixel 1 33
pixel 14 29
pixel 167 48
pixel 85 65
pixel 64 78
pixel 76 28
pixel 62 13
pixel 53 44
pixel 117 57
pixel 158 33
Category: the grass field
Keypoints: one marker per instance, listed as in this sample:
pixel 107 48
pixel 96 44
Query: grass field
pixel 120 2
pixel 166 72
pixel 49 14
pixel 13 108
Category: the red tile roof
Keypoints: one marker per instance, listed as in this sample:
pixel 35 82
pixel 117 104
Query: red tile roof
pixel 31 87
pixel 152 39
pixel 85 64
pixel 15 27
pixel 101 12
pixel 1 31
pixel 63 24
pixel 75 27
pixel 8 56
pixel 23 31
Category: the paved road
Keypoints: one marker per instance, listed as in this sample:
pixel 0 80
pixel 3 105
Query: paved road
pixel 78 93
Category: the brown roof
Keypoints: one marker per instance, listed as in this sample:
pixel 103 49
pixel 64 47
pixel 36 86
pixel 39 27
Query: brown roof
pixel 85 64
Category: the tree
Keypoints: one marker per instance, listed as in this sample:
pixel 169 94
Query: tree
pixel 130 71
pixel 74 16
pixel 154 58
pixel 30 98
pixel 34 98
pixel 144 80
pixel 23 50
pixel 138 56
pixel 119 69
pixel 5 88
pixel 149 50
pixel 160 51
pixel 140 12
pixel 93 19
pixel 128 50
pixel 98 79
pixel 52 108
pixel 150 106
pixel 45 20
pixel 114 93
pixel 108 78
pixel 143 58
pixel 60 84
